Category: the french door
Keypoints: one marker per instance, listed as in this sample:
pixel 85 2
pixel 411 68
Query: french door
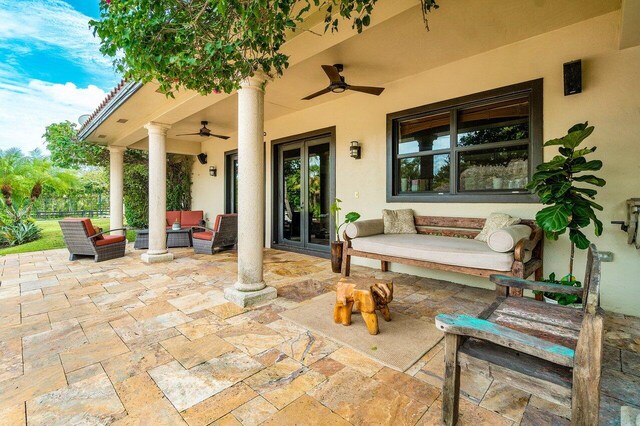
pixel 305 190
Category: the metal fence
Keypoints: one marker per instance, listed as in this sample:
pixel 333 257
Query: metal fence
pixel 86 205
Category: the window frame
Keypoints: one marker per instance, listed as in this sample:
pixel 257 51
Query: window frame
pixel 532 89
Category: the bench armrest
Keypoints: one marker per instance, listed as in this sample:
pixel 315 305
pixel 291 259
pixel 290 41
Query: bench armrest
pixel 106 232
pixel 363 228
pixel 528 244
pixel 465 325
pixel 505 281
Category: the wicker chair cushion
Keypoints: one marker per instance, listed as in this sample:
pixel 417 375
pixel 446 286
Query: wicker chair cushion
pixel 88 226
pixel 191 218
pixel 205 235
pixel 172 216
pixel 109 239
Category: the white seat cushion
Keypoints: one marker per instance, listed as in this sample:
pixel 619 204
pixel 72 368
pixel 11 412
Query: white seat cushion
pixel 444 250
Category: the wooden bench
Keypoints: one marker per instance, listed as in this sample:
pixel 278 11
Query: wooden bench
pixel 548 350
pixel 460 227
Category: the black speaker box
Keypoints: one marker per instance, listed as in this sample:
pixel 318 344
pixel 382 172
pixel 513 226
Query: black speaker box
pixel 202 158
pixel 572 77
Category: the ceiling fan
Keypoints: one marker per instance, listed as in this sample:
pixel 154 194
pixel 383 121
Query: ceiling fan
pixel 204 132
pixel 338 85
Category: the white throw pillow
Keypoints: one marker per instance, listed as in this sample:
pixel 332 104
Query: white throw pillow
pixel 494 222
pixel 398 222
pixel 504 240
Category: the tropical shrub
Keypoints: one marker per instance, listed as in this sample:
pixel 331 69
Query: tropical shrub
pixel 16 225
pixel 19 233
pixel 348 218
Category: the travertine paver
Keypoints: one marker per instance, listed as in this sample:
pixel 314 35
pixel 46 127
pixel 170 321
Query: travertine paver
pixel 124 343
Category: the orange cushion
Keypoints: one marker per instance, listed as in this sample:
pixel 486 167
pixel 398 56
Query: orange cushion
pixel 172 215
pixel 109 239
pixel 205 235
pixel 88 226
pixel 191 218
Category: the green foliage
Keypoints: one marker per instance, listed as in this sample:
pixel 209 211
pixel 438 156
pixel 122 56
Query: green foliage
pixel 570 207
pixel 210 46
pixel 93 161
pixel 563 299
pixel 348 218
pixel 15 234
pixel 136 195
pixel 179 181
pixel 22 172
pixel 69 152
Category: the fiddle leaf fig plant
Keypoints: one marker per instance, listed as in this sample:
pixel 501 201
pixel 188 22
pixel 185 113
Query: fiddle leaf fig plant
pixel 348 218
pixel 559 184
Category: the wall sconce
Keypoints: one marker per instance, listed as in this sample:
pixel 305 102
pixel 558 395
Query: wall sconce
pixel 213 171
pixel 355 150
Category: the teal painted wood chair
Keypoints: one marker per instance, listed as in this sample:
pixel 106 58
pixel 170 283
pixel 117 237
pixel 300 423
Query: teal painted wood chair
pixel 552 351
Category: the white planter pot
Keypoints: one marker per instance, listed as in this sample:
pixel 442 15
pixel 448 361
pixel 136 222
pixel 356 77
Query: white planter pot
pixel 555 302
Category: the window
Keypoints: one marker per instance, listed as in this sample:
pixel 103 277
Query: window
pixel 479 148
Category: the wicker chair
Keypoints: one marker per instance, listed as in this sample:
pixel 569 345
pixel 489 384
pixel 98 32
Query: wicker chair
pixel 223 235
pixel 82 239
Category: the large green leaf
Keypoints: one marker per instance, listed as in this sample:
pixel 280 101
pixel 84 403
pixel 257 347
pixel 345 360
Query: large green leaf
pixel 579 239
pixel 554 218
pixel 589 165
pixel 578 127
pixel 582 152
pixel 593 180
pixel 351 217
pixel 575 138
pixel 586 191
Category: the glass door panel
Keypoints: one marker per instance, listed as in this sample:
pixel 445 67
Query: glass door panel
pixel 318 194
pixel 292 194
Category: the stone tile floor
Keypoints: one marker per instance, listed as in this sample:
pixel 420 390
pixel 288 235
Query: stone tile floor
pixel 124 343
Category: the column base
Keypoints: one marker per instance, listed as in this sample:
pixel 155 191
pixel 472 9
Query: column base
pixel 156 258
pixel 249 298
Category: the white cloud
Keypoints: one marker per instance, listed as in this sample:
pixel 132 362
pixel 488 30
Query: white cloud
pixel 52 25
pixel 26 109
pixel 27 105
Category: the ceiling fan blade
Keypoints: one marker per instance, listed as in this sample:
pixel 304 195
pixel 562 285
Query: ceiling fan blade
pixel 314 95
pixel 367 89
pixel 219 136
pixel 332 73
pixel 189 134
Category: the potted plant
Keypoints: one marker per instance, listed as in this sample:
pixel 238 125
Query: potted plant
pixel 569 206
pixel 561 298
pixel 336 245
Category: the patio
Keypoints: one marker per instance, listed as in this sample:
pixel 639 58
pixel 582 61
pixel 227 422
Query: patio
pixel 123 342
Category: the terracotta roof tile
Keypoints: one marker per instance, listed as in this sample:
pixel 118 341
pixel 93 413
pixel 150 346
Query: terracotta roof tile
pixel 104 103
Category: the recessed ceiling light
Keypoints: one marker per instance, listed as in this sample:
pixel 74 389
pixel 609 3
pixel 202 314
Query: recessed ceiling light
pixel 122 120
pixel 102 136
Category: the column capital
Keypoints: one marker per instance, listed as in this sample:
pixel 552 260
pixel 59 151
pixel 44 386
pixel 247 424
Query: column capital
pixel 116 149
pixel 256 82
pixel 157 128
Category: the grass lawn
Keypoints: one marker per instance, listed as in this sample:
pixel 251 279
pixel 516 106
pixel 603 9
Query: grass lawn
pixel 52 237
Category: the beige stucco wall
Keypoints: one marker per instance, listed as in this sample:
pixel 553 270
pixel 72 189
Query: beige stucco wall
pixel 610 101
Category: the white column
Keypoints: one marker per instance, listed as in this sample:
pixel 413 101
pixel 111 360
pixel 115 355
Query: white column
pixel 157 251
pixel 116 187
pixel 250 287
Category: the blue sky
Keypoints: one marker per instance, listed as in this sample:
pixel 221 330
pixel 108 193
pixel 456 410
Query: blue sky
pixel 50 67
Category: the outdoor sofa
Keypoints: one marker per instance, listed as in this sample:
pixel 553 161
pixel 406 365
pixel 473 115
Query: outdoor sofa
pixel 448 244
pixel 186 218
pixel 83 239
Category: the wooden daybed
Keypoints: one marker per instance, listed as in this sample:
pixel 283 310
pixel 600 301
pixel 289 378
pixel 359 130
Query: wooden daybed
pixel 527 254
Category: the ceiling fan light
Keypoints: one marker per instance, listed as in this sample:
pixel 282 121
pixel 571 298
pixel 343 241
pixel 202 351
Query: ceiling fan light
pixel 338 89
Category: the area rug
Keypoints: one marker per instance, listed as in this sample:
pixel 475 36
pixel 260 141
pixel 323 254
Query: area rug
pixel 400 343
